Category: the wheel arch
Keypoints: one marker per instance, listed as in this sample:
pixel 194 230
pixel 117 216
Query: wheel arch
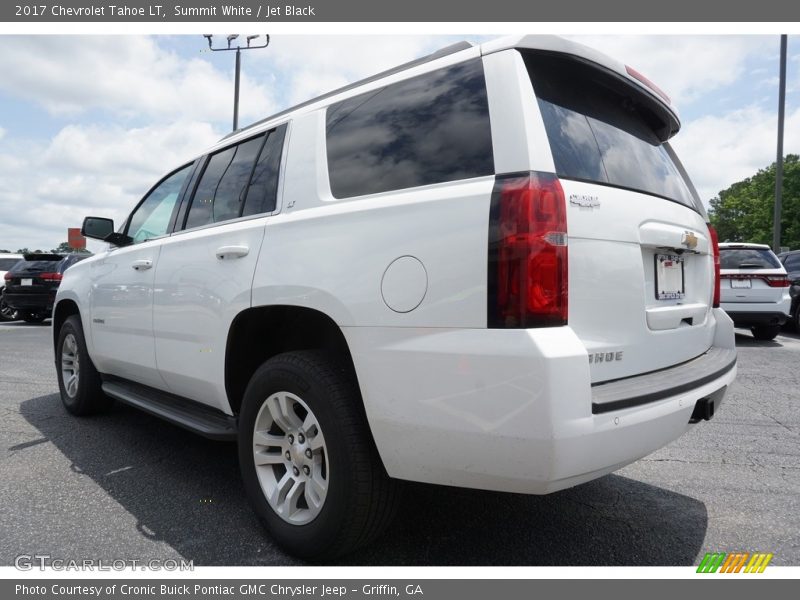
pixel 61 312
pixel 259 333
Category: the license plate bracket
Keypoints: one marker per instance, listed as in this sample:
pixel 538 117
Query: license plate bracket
pixel 669 277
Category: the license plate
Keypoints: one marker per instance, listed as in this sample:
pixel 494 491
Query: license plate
pixel 669 277
pixel 741 284
pixel 26 281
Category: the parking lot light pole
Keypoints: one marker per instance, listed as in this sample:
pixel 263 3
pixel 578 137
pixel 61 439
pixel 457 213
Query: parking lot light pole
pixel 238 48
pixel 776 218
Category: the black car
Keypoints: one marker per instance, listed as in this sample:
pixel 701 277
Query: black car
pixel 791 262
pixel 31 284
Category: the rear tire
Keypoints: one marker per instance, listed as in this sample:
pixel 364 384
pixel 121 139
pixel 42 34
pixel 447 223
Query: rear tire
pixel 6 312
pixel 320 488
pixel 766 332
pixel 78 380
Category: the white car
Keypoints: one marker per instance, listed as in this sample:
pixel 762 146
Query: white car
pixel 754 288
pixel 6 262
pixel 486 268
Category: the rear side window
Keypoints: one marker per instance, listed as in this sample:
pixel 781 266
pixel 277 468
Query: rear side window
pixel 262 192
pixel 239 181
pixel 600 133
pixel 429 129
pixel 222 188
pixel 748 258
pixel 7 263
pixel 793 262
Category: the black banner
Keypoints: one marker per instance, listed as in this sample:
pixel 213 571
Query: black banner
pixel 265 11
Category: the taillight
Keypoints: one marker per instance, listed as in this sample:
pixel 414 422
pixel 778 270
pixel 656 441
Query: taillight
pixel 712 233
pixel 7 277
pixel 51 276
pixel 527 280
pixel 778 281
pixel 642 79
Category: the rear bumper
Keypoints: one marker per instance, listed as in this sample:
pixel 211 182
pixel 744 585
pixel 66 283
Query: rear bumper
pixel 511 410
pixel 38 302
pixel 748 314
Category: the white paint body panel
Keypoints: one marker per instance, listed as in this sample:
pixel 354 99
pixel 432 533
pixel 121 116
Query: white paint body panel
pixel 448 400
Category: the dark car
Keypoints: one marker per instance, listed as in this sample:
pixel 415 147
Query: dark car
pixel 791 262
pixel 31 284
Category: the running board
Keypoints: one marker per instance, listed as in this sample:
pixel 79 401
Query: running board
pixel 195 417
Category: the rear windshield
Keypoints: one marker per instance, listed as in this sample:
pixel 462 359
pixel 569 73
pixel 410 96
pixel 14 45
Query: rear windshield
pixel 7 263
pixel 748 258
pixel 600 133
pixel 38 266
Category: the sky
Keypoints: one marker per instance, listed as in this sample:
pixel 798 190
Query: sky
pixel 89 123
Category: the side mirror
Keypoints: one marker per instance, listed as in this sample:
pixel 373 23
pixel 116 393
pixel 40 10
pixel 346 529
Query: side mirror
pixel 98 228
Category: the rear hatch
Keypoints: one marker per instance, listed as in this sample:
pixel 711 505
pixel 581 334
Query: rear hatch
pixel 641 261
pixel 751 275
pixel 36 274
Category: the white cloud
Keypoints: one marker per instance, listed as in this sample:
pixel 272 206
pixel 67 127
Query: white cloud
pixel 126 75
pixel 2 133
pixel 718 150
pixel 87 170
pixel 685 66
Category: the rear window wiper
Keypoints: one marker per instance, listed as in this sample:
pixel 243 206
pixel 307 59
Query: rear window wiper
pixel 752 266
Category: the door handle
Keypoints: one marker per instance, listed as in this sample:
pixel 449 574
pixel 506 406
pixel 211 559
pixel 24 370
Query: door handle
pixel 142 265
pixel 227 252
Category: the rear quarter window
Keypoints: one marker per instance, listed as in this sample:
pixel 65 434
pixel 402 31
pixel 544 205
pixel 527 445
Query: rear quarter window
pixel 428 129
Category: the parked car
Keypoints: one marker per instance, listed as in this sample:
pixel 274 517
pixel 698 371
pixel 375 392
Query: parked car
pixel 7 261
pixel 755 288
pixel 31 284
pixel 791 262
pixel 486 268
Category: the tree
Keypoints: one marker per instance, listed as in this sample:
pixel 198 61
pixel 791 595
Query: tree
pixel 65 248
pixel 743 212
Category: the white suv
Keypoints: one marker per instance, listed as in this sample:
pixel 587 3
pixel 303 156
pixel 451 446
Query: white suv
pixel 755 288
pixel 6 262
pixel 486 268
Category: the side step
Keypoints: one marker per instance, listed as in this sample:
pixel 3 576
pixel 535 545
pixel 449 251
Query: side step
pixel 200 419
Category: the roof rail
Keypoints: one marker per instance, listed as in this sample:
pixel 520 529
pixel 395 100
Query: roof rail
pixel 446 51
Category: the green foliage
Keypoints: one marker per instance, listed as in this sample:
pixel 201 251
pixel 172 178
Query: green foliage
pixel 743 212
pixel 65 248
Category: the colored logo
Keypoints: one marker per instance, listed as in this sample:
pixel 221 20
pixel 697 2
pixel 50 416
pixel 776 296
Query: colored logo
pixel 736 562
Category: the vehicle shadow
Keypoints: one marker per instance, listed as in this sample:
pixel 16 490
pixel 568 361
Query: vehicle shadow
pixel 186 491
pixel 744 339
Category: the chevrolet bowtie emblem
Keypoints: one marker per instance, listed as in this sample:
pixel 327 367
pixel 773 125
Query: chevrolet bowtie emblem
pixel 689 240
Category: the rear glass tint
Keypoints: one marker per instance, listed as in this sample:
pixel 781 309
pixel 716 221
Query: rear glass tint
pixel 600 133
pixel 428 129
pixel 38 266
pixel 748 258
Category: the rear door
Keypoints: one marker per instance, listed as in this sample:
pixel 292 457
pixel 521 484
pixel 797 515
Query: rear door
pixel 205 272
pixel 640 258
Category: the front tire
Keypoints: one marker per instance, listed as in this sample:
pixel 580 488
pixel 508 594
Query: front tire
pixel 78 380
pixel 309 464
pixel 766 332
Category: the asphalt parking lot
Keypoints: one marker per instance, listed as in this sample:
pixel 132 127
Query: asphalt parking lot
pixel 128 486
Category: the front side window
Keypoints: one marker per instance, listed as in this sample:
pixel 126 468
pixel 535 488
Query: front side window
pixel 152 217
pixel 428 129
